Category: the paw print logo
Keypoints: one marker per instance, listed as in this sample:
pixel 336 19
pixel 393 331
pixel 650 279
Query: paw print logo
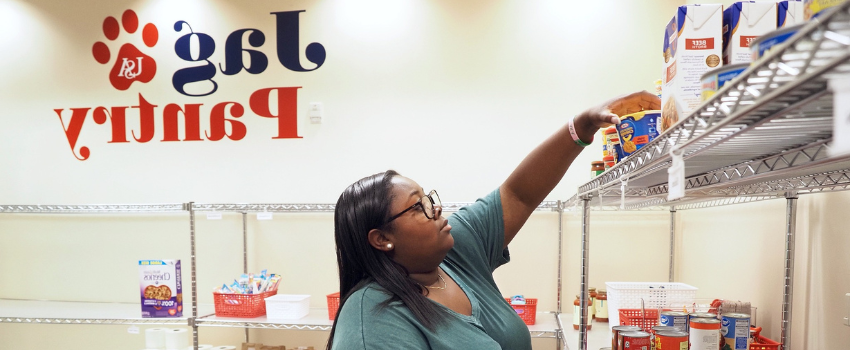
pixel 130 64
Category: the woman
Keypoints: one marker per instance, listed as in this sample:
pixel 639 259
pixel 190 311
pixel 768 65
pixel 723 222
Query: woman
pixel 412 279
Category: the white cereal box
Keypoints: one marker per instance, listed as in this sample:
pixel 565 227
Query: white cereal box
pixel 161 288
pixel 789 13
pixel 693 45
pixel 742 23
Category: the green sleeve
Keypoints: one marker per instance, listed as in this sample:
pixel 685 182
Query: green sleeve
pixel 363 325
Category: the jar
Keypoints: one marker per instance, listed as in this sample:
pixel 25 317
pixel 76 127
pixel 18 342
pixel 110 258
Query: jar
pixel 597 167
pixel 602 306
pixel 577 313
pixel 610 134
pixel 609 161
pixel 592 310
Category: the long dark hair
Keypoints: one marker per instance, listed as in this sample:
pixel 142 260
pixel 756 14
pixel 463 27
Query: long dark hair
pixel 363 206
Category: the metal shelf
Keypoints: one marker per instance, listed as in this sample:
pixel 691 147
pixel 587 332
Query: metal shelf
pixel 79 313
pixel 93 208
pixel 270 207
pixel 772 123
pixel 317 320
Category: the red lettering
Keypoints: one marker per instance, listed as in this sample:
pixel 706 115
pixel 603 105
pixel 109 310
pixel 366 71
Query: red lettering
pixel 699 44
pixel 72 132
pixel 671 72
pixel 287 109
pixel 117 120
pixel 746 40
pixel 146 120
pixel 218 129
pixel 192 125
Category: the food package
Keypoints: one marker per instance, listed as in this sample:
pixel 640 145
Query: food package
pixel 742 23
pixel 789 13
pixel 161 288
pixel 693 45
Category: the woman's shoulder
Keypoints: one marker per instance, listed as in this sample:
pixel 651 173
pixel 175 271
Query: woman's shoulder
pixel 369 300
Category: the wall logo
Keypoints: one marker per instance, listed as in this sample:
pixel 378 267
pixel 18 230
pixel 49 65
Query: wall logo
pixel 139 121
pixel 130 64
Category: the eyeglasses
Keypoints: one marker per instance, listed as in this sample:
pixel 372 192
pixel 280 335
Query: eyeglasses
pixel 428 203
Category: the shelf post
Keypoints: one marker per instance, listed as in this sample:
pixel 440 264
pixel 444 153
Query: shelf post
pixel 560 273
pixel 788 295
pixel 245 252
pixel 672 240
pixel 583 298
pixel 190 207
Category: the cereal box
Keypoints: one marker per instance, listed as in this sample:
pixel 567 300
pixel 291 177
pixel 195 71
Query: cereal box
pixel 161 288
pixel 789 13
pixel 815 8
pixel 743 22
pixel 693 45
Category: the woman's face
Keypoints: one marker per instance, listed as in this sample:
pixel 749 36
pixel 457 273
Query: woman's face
pixel 420 243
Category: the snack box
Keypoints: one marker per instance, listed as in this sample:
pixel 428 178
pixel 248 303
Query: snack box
pixel 693 45
pixel 815 8
pixel 742 23
pixel 161 288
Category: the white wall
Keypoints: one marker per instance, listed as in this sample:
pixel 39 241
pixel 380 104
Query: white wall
pixel 483 81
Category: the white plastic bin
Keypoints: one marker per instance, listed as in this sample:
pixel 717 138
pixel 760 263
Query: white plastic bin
pixel 655 295
pixel 287 306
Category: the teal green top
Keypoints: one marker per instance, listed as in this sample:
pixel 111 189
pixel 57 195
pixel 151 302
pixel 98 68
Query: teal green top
pixel 479 235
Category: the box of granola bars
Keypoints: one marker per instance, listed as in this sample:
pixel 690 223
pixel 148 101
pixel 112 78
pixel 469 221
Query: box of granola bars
pixel 161 288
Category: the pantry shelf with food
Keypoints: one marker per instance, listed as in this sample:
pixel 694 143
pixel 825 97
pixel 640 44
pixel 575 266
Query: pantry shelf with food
pixel 770 133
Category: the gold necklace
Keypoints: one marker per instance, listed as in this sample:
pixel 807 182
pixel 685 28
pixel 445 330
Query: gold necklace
pixel 441 279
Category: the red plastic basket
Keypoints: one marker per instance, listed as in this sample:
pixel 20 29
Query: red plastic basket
pixel 762 343
pixel 636 317
pixel 333 305
pixel 241 305
pixel 527 312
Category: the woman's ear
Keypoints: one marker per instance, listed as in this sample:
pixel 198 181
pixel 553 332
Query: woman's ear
pixel 380 240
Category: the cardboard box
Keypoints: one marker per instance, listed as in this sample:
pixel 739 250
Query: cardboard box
pixel 789 13
pixel 743 22
pixel 161 288
pixel 693 45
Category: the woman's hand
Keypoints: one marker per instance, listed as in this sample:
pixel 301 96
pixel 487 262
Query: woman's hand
pixel 608 113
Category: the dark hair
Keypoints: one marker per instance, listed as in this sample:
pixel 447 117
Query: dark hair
pixel 363 206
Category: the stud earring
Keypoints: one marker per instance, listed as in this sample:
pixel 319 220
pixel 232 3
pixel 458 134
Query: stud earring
pixel 389 246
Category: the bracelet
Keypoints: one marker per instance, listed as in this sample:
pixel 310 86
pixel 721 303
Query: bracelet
pixel 576 139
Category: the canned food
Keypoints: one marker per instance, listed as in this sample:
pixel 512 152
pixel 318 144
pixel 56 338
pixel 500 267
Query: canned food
pixel 735 329
pixel 762 45
pixel 704 334
pixel 671 340
pixel 655 331
pixel 676 319
pixel 638 129
pixel 714 79
pixel 634 341
pixel 615 334
pixel 815 8
pixel 694 315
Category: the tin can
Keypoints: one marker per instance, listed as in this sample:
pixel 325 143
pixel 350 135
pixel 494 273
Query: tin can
pixel 815 8
pixel 634 340
pixel 654 330
pixel 694 315
pixel 676 319
pixel 704 334
pixel 735 329
pixel 638 129
pixel 615 334
pixel 762 45
pixel 715 79
pixel 671 340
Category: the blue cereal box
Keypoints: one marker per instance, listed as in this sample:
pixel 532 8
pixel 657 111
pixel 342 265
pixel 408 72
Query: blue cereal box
pixel 161 288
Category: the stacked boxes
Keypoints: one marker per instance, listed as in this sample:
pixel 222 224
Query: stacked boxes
pixel 789 13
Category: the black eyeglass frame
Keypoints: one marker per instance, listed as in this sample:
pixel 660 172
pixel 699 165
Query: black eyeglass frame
pixel 419 203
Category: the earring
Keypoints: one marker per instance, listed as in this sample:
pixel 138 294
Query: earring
pixel 389 246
